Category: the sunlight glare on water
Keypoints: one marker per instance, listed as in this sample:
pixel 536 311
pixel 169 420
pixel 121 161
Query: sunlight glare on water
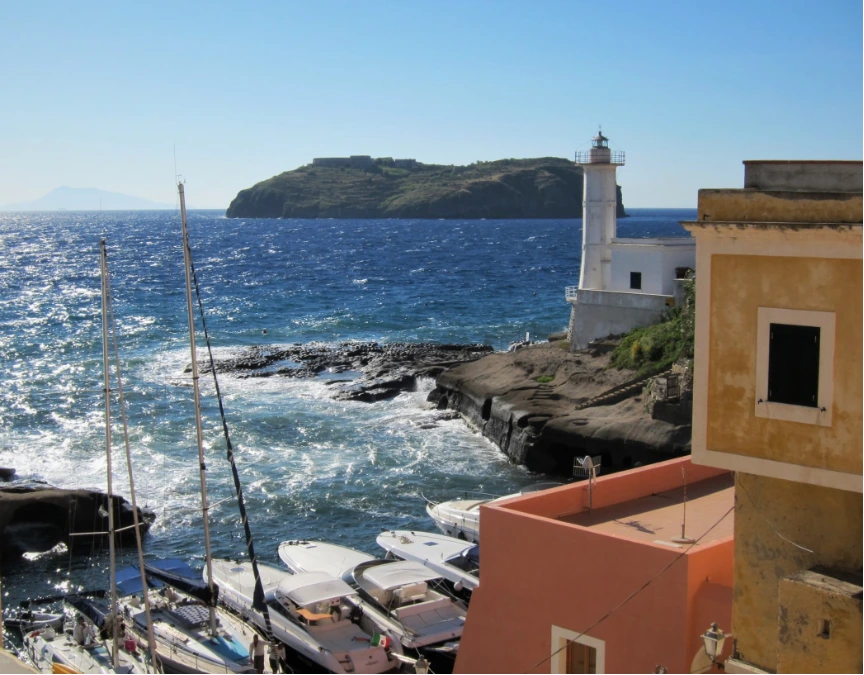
pixel 311 467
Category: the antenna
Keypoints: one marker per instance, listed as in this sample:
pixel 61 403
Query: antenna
pixel 586 467
pixel 683 539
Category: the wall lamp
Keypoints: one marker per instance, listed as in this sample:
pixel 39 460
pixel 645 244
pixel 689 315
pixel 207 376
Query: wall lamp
pixel 714 638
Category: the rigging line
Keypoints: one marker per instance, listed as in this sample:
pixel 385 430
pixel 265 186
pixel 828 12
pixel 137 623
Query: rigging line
pixel 650 581
pixel 770 524
pixel 258 594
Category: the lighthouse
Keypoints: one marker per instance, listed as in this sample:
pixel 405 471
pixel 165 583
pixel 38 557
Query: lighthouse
pixel 599 207
pixel 623 283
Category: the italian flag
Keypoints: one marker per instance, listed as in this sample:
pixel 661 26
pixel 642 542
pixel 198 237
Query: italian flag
pixel 379 640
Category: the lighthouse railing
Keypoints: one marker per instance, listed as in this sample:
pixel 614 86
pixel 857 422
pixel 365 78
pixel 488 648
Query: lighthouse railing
pixel 585 157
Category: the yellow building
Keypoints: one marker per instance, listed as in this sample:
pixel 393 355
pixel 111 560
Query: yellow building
pixel 777 399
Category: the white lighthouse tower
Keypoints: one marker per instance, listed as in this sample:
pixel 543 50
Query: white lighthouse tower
pixel 623 283
pixel 599 208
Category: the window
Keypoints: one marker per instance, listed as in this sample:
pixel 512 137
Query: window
pixel 636 280
pixel 575 652
pixel 795 365
pixel 581 658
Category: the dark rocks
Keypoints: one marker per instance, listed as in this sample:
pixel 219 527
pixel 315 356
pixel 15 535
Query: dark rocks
pixel 586 409
pixel 373 371
pixel 44 516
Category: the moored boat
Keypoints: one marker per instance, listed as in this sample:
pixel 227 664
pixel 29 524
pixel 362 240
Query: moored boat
pixel 408 597
pixel 180 606
pixel 315 614
pixel 454 559
pixel 84 644
pixel 460 518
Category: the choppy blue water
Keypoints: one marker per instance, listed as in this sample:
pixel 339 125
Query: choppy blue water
pixel 311 467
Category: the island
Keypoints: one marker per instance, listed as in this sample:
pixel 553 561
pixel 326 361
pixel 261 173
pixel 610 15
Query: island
pixel 364 187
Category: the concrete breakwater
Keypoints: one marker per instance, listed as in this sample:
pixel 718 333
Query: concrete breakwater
pixel 544 406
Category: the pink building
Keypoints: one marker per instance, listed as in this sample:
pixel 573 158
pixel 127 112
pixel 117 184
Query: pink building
pixel 610 590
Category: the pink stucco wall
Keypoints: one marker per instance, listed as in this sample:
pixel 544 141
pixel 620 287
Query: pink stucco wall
pixel 539 572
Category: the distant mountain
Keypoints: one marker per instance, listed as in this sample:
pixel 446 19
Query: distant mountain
pixel 85 199
pixel 546 187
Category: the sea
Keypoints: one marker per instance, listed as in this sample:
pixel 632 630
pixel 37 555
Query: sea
pixel 311 467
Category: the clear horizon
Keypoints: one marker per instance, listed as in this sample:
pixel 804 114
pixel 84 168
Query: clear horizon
pixel 100 95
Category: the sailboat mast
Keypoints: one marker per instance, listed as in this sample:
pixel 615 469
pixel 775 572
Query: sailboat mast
pixel 151 638
pixel 115 655
pixel 195 388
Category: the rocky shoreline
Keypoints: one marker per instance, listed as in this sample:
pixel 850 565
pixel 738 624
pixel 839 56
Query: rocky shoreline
pixel 541 405
pixel 356 371
pixel 36 517
pixel 544 407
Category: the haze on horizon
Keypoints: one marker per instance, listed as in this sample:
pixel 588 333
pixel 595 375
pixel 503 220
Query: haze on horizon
pixel 100 94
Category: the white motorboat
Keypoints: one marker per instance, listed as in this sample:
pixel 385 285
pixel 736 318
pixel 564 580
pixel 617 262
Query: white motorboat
pixel 460 518
pixel 315 614
pixel 319 556
pixel 54 651
pixel 405 595
pixel 454 559
pixel 180 615
pixel 27 621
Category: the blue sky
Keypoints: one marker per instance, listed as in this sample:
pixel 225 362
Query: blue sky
pixel 98 94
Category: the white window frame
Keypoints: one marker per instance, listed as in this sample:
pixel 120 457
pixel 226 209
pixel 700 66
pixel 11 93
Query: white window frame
pixel 825 322
pixel 560 638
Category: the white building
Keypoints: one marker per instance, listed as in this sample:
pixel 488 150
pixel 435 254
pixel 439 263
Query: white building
pixel 623 283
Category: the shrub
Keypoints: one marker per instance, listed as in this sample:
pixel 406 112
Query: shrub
pixel 543 379
pixel 653 349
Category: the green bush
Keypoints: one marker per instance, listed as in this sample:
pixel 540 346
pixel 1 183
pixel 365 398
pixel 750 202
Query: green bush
pixel 653 349
pixel 543 379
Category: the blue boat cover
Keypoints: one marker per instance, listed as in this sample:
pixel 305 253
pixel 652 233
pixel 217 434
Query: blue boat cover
pixel 88 608
pixel 179 575
pixel 232 649
pixel 129 581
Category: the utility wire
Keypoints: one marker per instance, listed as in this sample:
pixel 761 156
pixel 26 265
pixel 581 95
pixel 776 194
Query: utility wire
pixel 770 524
pixel 631 596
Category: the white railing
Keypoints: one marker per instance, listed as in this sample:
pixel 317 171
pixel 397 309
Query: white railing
pixel 570 292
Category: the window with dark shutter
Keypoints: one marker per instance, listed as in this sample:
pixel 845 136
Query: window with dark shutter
pixel 636 280
pixel 793 365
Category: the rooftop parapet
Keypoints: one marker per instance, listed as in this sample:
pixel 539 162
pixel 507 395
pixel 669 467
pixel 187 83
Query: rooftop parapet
pixel 810 176
pixel 779 206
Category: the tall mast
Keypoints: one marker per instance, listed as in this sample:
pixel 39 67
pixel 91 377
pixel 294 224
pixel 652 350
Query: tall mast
pixel 115 655
pixel 198 430
pixel 151 638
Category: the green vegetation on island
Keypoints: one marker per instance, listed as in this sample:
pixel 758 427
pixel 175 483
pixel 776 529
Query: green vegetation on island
pixel 653 349
pixel 548 187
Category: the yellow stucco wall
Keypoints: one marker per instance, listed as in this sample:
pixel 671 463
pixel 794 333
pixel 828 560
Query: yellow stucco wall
pixel 805 601
pixel 740 284
pixel 824 520
pixel 778 206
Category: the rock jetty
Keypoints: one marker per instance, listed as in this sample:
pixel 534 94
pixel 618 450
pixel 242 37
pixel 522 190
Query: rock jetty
pixel 544 406
pixel 356 371
pixel 42 516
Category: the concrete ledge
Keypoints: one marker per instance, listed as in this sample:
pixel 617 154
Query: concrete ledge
pixel 779 206
pixel 621 299
pixel 736 666
pixel 827 175
pixel 10 664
